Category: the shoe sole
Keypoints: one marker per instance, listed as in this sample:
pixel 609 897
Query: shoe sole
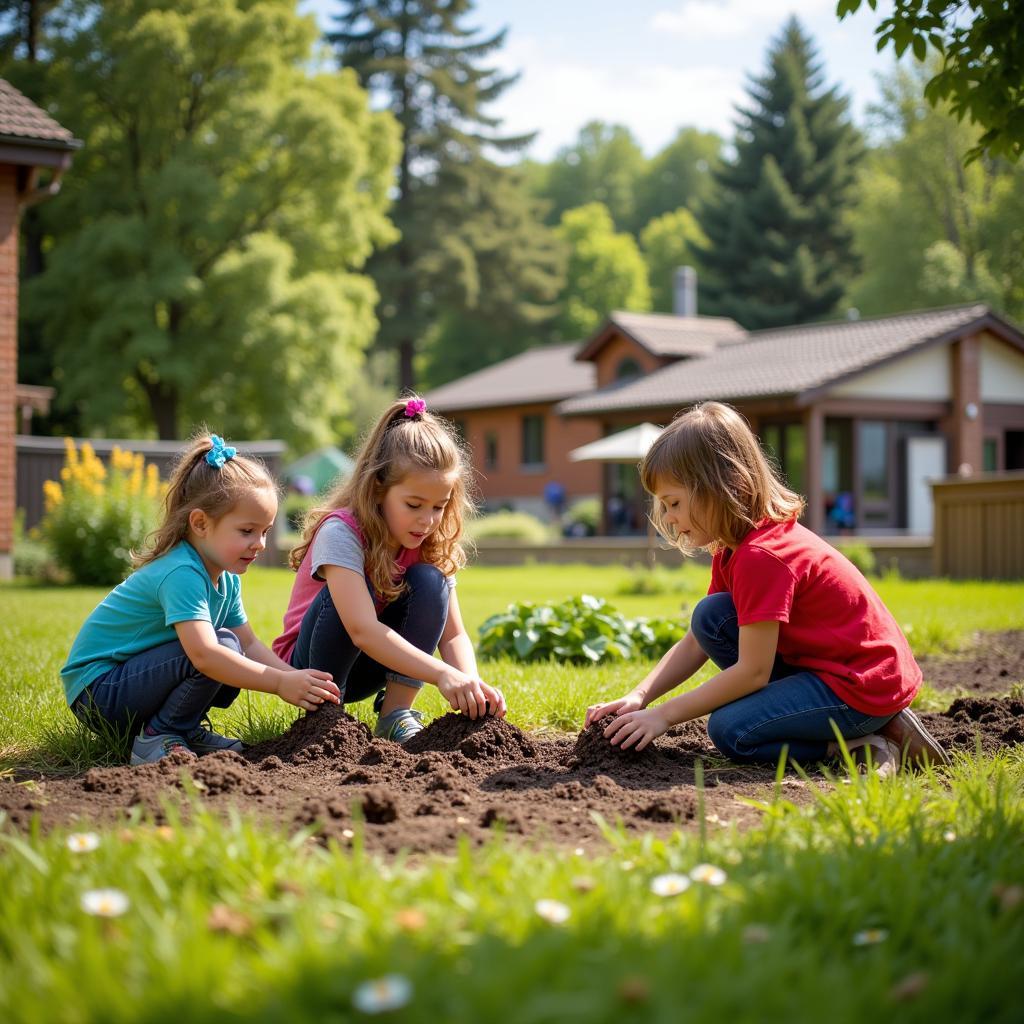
pixel 930 742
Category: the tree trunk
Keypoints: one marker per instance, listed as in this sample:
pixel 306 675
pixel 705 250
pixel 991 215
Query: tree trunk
pixel 163 404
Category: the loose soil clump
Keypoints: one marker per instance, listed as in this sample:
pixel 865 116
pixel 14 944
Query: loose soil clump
pixel 467 779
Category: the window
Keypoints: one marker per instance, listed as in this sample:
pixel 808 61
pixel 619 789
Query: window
pixel 990 454
pixel 533 441
pixel 786 447
pixel 490 450
pixel 628 369
pixel 873 451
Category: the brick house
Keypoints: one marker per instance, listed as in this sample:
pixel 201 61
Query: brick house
pixel 31 144
pixel 860 414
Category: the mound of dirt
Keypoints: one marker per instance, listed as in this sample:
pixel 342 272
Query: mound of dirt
pixel 458 778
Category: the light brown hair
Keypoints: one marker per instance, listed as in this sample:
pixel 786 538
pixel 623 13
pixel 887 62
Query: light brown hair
pixel 399 444
pixel 712 452
pixel 195 484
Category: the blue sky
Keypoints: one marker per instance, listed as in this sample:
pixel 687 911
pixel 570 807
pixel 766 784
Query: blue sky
pixel 655 65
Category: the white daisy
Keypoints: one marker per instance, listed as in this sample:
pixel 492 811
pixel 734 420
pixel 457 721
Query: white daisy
pixel 104 902
pixel 552 911
pixel 671 884
pixel 708 874
pixel 382 994
pixel 870 937
pixel 83 842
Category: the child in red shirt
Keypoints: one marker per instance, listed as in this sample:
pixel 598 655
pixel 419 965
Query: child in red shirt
pixel 806 647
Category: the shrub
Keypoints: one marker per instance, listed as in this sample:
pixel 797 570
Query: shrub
pixel 32 558
pixel 294 509
pixel 582 518
pixel 652 581
pixel 861 555
pixel 519 526
pixel 95 517
pixel 580 629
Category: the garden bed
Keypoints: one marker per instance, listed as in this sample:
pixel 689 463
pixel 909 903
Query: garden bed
pixel 461 779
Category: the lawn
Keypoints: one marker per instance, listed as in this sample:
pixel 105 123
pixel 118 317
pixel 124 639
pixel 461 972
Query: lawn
pixel 903 897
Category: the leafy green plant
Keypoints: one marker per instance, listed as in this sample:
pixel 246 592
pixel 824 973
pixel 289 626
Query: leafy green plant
pixel 581 629
pixel 652 581
pixel 32 558
pixel 96 516
pixel 583 515
pixel 519 526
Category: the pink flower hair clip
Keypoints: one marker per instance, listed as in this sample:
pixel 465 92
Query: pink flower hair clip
pixel 414 407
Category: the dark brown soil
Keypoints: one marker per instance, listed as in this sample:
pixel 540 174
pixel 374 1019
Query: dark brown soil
pixel 990 665
pixel 460 778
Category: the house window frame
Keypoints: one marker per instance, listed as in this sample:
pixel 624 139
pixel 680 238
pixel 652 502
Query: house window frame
pixel 531 454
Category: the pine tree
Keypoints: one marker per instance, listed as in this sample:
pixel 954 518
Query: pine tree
pixel 420 55
pixel 779 249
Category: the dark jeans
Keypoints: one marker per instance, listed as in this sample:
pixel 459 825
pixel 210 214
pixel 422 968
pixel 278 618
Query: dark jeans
pixel 795 710
pixel 418 615
pixel 159 687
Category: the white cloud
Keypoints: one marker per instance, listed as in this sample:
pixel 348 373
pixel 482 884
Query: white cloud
pixel 559 97
pixel 724 18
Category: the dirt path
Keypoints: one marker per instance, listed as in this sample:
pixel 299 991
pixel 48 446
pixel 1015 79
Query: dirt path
pixel 462 778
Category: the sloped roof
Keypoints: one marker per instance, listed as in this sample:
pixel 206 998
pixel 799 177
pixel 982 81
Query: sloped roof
pixel 665 335
pixel 547 373
pixel 21 119
pixel 789 360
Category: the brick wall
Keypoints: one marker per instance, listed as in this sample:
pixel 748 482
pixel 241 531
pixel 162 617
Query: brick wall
pixel 507 479
pixel 8 354
pixel 618 348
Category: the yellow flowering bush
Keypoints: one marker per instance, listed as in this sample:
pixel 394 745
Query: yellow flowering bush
pixel 96 514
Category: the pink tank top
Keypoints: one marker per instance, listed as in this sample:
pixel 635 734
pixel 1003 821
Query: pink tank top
pixel 306 587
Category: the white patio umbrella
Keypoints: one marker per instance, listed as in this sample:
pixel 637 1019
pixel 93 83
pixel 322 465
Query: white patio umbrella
pixel 626 446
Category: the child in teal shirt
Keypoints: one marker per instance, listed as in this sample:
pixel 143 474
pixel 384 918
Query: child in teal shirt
pixel 172 640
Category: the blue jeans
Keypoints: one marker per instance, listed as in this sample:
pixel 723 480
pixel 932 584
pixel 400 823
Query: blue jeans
pixel 795 710
pixel 418 615
pixel 159 687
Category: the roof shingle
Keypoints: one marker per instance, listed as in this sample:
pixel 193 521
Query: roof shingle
pixel 666 335
pixel 782 361
pixel 547 373
pixel 20 118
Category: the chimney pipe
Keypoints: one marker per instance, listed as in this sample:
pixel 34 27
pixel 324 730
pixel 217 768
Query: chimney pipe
pixel 684 291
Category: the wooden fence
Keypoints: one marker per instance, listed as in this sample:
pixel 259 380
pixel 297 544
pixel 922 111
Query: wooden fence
pixel 40 459
pixel 979 526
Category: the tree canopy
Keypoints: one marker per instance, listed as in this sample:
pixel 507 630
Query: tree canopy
pixel 981 43
pixel 779 248
pixel 208 241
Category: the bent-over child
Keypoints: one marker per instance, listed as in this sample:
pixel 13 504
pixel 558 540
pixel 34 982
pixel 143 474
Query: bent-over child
pixel 374 593
pixel 173 640
pixel 805 646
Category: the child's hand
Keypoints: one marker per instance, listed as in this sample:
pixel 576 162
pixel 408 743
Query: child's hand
pixel 308 688
pixel 469 695
pixel 637 728
pixel 622 706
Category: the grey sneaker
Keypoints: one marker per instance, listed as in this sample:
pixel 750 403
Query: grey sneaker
pixel 400 725
pixel 206 741
pixel 878 751
pixel 147 749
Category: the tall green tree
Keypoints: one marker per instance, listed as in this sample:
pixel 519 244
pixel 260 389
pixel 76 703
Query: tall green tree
pixel 680 175
pixel 669 241
pixel 210 236
pixel 604 165
pixel 507 269
pixel 780 250
pixel 605 271
pixel 930 230
pixel 420 57
pixel 981 71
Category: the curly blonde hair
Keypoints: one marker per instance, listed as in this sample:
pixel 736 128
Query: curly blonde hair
pixel 712 452
pixel 195 484
pixel 398 445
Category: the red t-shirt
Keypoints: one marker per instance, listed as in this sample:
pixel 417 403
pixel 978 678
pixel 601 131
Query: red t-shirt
pixel 831 622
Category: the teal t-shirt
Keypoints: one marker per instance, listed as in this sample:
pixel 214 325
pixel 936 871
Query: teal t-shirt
pixel 140 614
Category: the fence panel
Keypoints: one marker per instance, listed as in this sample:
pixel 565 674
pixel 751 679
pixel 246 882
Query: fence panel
pixel 979 526
pixel 40 459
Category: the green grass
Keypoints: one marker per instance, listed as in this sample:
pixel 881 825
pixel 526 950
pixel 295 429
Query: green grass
pixel 233 920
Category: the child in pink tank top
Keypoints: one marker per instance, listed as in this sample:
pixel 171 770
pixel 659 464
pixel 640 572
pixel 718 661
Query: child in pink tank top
pixel 374 594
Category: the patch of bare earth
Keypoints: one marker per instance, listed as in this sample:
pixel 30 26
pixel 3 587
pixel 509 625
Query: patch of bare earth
pixel 460 778
pixel 990 665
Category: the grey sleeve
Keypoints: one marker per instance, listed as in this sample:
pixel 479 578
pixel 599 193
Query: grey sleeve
pixel 335 543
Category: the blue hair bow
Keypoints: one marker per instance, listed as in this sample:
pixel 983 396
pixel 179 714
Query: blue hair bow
pixel 220 452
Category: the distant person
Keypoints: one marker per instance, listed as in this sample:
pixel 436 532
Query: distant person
pixel 374 592
pixel 805 646
pixel 173 640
